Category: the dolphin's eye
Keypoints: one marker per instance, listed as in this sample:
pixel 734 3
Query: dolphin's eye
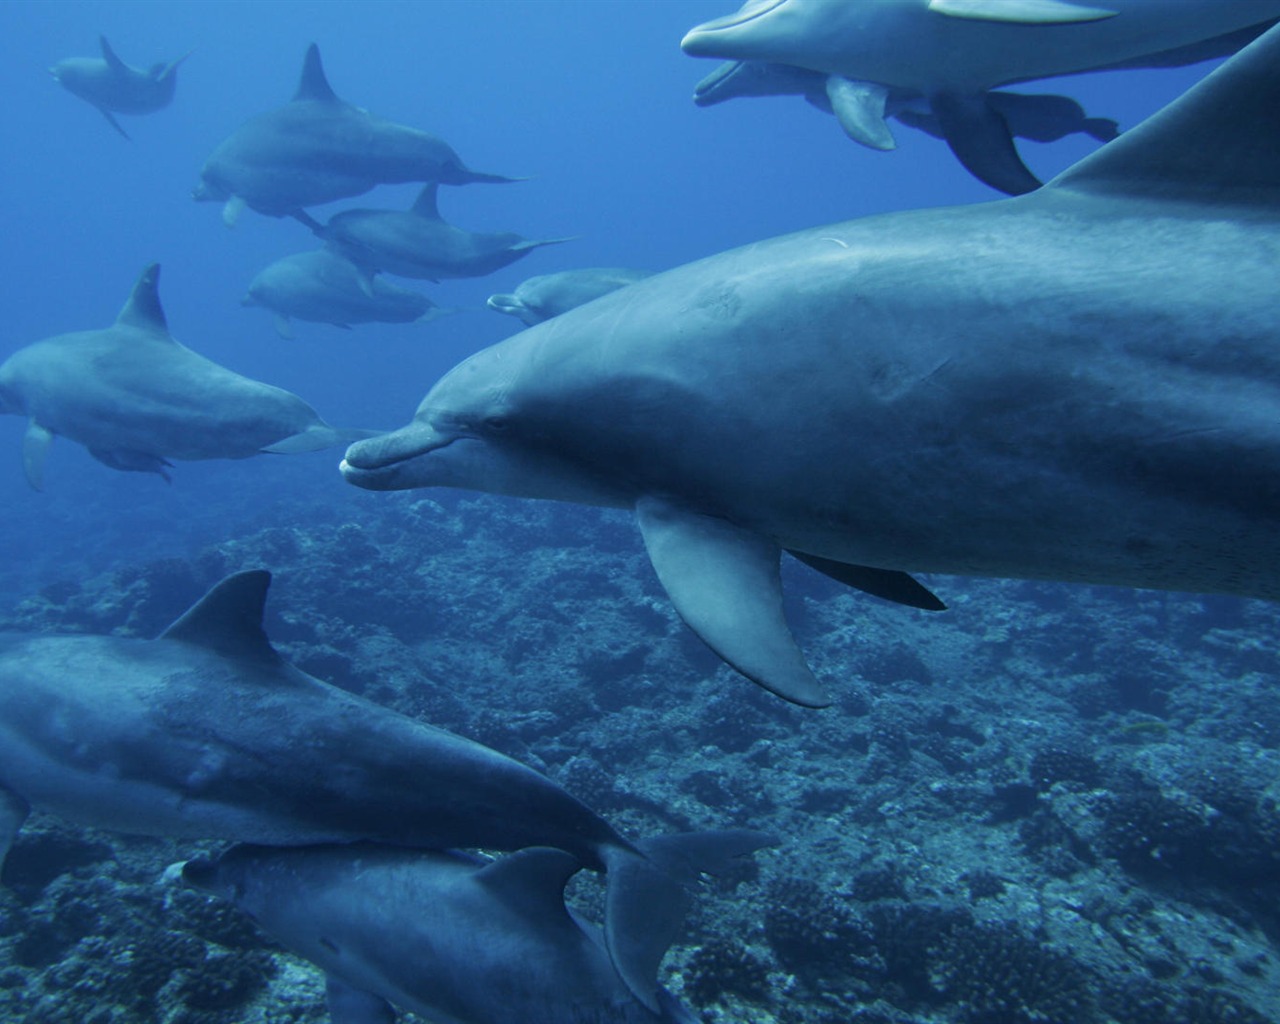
pixel 496 424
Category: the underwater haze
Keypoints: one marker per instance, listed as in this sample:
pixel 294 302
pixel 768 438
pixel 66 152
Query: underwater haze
pixel 1050 804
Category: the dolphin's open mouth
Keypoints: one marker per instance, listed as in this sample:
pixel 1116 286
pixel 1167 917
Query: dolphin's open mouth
pixel 749 12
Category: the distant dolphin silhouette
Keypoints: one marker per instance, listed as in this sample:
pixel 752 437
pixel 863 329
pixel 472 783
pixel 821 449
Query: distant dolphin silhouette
pixel 953 52
pixel 1082 384
pixel 431 932
pixel 136 398
pixel 419 243
pixel 319 148
pixel 540 298
pixel 208 732
pixel 112 86
pixel 323 286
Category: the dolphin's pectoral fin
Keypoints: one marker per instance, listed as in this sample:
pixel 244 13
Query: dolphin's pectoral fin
pixel 111 120
pixel 725 583
pixel 228 619
pixel 980 139
pixel 350 1005
pixel 1021 12
pixel 13 812
pixel 35 446
pixel 364 278
pixel 308 221
pixel 648 896
pixel 133 462
pixel 232 209
pixel 859 107
pixel 888 584
pixel 283 327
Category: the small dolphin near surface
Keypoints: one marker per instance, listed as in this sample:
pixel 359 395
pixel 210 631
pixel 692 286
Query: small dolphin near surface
pixel 448 937
pixel 547 295
pixel 1081 384
pixel 207 732
pixel 136 398
pixel 1042 117
pixel 115 88
pixel 318 148
pixel 325 287
pixel 419 243
pixel 953 52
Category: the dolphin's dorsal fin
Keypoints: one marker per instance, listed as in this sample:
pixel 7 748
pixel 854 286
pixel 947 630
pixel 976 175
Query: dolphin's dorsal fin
pixel 143 310
pixel 109 55
pixel 1218 143
pixel 425 205
pixel 313 85
pixel 228 619
pixel 531 880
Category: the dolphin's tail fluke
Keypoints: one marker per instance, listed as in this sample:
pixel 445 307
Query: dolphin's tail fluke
pixel 649 893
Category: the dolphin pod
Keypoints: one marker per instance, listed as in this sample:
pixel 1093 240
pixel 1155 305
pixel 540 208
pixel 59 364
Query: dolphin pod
pixel 324 286
pixel 357 912
pixel 136 398
pixel 419 243
pixel 318 148
pixel 1081 384
pixel 875 49
pixel 208 732
pixel 110 85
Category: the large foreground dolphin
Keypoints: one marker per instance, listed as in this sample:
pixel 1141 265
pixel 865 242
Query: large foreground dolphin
pixel 952 52
pixel 325 287
pixel 114 87
pixel 319 148
pixel 454 939
pixel 208 732
pixel 419 243
pixel 136 398
pixel 1081 384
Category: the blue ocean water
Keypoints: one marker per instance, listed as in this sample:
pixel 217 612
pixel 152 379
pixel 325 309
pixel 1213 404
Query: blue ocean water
pixel 592 102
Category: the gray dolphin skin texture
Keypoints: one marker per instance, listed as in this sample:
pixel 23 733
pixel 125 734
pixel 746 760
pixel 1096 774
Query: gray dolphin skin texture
pixel 136 398
pixel 325 287
pixel 431 931
pixel 952 53
pixel 1082 384
pixel 540 298
pixel 419 243
pixel 318 148
pixel 113 87
pixel 207 732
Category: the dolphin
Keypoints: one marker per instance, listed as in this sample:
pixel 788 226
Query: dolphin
pixel 540 298
pixel 115 88
pixel 325 287
pixel 136 398
pixel 1042 117
pixel 206 732
pixel 953 52
pixel 1081 384
pixel 452 938
pixel 419 243
pixel 318 148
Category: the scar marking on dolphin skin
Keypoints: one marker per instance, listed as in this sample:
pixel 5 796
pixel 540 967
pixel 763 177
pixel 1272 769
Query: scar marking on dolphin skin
pixel 840 242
